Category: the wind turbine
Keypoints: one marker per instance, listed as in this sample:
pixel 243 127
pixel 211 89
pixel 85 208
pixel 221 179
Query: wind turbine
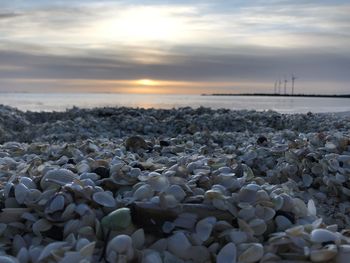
pixel 285 86
pixel 275 88
pixel 293 80
pixel 279 86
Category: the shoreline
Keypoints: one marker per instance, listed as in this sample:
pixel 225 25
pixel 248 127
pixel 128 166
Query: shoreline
pixel 345 96
pixel 199 185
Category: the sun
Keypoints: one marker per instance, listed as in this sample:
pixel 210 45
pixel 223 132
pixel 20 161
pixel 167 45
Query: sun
pixel 147 82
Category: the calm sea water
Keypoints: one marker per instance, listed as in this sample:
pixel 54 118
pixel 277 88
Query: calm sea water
pixel 60 102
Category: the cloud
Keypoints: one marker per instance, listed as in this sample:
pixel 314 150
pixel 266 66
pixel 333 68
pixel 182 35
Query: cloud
pixel 8 15
pixel 235 41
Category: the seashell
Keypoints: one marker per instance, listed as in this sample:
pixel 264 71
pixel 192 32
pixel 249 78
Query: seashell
pixel 204 227
pixel 138 238
pixel 23 255
pixel 167 201
pixel 198 254
pixel 160 245
pixel 8 259
pixel 119 245
pixel 143 192
pixel 104 198
pixel 87 250
pixel 9 215
pixel 247 195
pixel 56 204
pixel 177 192
pixel 238 237
pixel 258 226
pixel 21 192
pixel 56 178
pixel 323 235
pixel 323 255
pixel 311 208
pixel 247 213
pixel 40 226
pixel 28 182
pixel 117 220
pixel 227 254
pixel 343 254
pixel 282 223
pixel 158 182
pixel 307 180
pixel 253 253
pixel 50 248
pixel 265 213
pixel 152 257
pixel 178 245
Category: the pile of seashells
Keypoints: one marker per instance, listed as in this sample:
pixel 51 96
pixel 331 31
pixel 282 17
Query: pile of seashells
pixel 273 195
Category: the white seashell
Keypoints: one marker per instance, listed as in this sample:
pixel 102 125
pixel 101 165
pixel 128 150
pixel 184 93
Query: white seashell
pixel 247 195
pixel 311 208
pixel 238 237
pixel 253 253
pixel 91 176
pixel 178 244
pixel 70 256
pixel 228 254
pixel 21 192
pixel 282 223
pixel 50 248
pixel 2 228
pixel 56 204
pixel 143 192
pixel 323 255
pixel 247 213
pixel 204 227
pixel 186 220
pixel 120 245
pixel 104 198
pixel 28 182
pixel 167 201
pixel 307 180
pixel 323 235
pixel 56 178
pixel 9 215
pixel 72 226
pixel 87 250
pixel 8 259
pixel 33 196
pixel 152 257
pixel 258 226
pixel 138 238
pixel 81 243
pixel 158 182
pixel 40 226
pixel 198 254
pixel 160 245
pixel 23 255
pixel 343 254
pixel 177 192
pixel 18 243
pixel 68 212
pixel 265 213
pixel 300 208
pixel 35 252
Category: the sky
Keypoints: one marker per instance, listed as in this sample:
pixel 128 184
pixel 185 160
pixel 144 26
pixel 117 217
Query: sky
pixel 187 47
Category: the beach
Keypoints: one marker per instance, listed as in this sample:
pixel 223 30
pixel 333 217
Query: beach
pixel 174 185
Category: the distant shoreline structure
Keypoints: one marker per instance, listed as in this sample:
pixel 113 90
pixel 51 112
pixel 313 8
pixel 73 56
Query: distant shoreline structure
pixel 279 95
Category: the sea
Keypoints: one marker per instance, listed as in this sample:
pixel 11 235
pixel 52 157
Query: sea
pixel 63 101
